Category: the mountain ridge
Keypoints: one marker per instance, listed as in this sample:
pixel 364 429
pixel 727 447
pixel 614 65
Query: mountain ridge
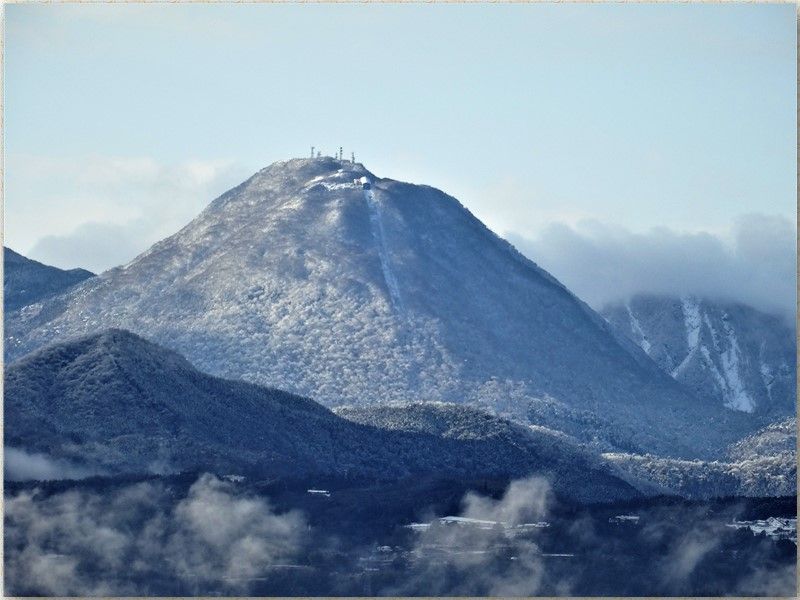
pixel 120 404
pixel 26 281
pixel 283 281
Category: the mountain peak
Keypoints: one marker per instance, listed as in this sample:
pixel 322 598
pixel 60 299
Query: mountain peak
pixel 27 281
pixel 287 181
pixel 302 172
pixel 115 338
pixel 315 166
pixel 111 351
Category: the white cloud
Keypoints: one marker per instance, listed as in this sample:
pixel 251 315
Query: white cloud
pixel 80 542
pixel 99 212
pixel 19 465
pixel 219 535
pixel 753 263
pixel 468 564
pixel 524 500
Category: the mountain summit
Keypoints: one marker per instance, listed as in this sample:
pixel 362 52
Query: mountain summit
pixel 318 277
pixel 26 281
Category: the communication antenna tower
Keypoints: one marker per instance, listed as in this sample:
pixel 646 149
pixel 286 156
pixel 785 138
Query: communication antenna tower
pixel 353 157
pixel 312 151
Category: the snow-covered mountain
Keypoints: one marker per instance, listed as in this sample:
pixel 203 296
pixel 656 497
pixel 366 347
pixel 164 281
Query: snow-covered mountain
pixel 354 293
pixel 115 403
pixel 730 353
pixel 773 440
pixel 769 475
pixel 26 281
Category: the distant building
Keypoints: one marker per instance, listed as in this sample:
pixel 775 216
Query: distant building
pixel 629 519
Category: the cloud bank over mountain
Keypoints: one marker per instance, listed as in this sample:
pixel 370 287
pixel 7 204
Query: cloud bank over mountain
pixel 754 263
pixel 98 212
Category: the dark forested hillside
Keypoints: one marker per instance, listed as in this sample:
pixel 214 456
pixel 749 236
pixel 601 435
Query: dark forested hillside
pixel 26 281
pixel 118 403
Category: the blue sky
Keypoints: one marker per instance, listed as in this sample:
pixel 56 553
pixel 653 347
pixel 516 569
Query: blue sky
pixel 676 116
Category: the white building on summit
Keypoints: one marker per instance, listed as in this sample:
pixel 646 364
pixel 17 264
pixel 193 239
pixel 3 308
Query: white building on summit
pixel 363 182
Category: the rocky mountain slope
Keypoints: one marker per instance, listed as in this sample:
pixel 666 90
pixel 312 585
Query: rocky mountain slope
pixel 302 279
pixel 26 281
pixel 119 404
pixel 728 353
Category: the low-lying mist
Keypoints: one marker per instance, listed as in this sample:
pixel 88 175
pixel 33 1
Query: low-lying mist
pixel 206 535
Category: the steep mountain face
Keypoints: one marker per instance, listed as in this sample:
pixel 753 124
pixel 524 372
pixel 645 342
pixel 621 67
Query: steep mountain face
pixel 120 404
pixel 729 353
pixel 302 279
pixel 26 281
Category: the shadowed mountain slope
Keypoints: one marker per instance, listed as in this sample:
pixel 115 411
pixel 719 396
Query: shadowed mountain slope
pixel 120 404
pixel 26 281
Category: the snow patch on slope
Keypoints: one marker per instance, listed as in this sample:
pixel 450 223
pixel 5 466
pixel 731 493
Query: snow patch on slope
pixel 728 378
pixel 691 314
pixel 644 344
pixel 732 353
pixel 380 239
pixel 692 322
pixel 718 377
pixel 737 397
pixel 767 376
